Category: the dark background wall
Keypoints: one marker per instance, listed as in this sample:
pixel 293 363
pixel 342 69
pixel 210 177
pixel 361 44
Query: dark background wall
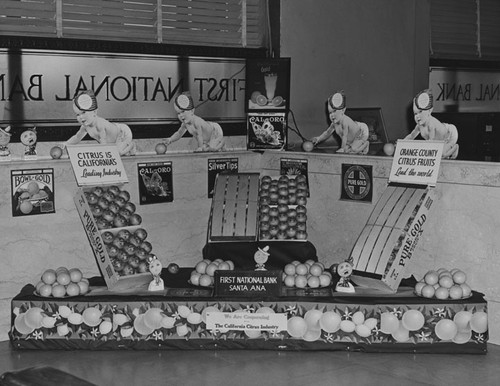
pixel 376 51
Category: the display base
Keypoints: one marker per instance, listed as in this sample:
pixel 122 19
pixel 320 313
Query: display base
pixel 176 318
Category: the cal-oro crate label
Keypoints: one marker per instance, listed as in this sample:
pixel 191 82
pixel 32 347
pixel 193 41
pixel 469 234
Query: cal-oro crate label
pixel 246 321
pixel 247 283
pixel 97 164
pixel 155 182
pixel 416 162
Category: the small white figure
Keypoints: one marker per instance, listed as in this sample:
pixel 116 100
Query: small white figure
pixel 4 143
pixel 431 128
pixel 98 128
pixel 261 257
pixel 155 267
pixel 353 135
pixel 208 135
pixel 29 139
pixel 344 270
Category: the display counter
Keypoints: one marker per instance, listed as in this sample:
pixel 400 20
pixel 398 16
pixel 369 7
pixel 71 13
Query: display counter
pixel 316 319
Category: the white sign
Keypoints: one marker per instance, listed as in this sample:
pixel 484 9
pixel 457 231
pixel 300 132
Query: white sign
pixel 241 321
pixel 416 162
pixel 97 164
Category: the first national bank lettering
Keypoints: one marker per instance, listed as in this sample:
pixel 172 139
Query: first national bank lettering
pixel 119 88
pixel 41 85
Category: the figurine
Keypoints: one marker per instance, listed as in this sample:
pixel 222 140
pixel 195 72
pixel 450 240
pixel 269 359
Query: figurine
pixel 29 139
pixel 353 135
pixel 100 129
pixel 155 267
pixel 208 135
pixel 430 128
pixel 261 257
pixel 4 143
pixel 344 270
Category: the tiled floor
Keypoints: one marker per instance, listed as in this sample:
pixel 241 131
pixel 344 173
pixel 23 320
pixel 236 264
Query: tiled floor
pixel 256 368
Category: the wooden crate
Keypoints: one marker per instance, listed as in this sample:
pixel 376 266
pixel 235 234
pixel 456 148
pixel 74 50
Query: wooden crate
pixel 233 215
pixel 390 236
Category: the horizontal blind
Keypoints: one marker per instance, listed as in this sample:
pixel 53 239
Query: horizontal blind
pixel 490 28
pixel 28 17
pixel 230 23
pixel 454 29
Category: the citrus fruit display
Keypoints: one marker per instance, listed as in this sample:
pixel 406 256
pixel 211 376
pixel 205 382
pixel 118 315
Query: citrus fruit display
pixel 111 207
pixel 443 284
pixel 128 250
pixel 310 274
pixel 62 282
pixel 282 207
pixel 204 271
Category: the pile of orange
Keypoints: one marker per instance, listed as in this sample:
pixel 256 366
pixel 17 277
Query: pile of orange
pixel 204 271
pixel 310 274
pixel 444 284
pixel 62 282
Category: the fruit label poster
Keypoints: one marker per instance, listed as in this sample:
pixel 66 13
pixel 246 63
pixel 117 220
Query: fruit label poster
pixel 97 164
pixel 32 192
pixel 294 167
pixel 220 165
pixel 155 182
pixel 357 183
pixel 266 131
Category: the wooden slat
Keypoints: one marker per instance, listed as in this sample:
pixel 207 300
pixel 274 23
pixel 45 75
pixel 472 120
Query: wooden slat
pixel 220 187
pixel 216 223
pixel 380 204
pixel 417 195
pixel 240 224
pixel 358 248
pixel 367 254
pixel 399 207
pixel 229 218
pixel 251 225
pixel 378 248
pixel 389 206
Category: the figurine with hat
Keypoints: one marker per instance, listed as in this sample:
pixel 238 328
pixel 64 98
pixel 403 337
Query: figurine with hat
pixel 98 128
pixel 29 138
pixel 208 135
pixel 5 136
pixel 430 128
pixel 353 135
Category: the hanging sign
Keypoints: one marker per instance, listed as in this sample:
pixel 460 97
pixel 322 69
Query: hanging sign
pixel 97 164
pixel 416 162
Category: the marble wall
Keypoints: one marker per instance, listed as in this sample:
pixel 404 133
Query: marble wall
pixel 461 231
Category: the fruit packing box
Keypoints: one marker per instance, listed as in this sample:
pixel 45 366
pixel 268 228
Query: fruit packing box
pixel 282 208
pixel 109 238
pixel 390 236
pixel 233 214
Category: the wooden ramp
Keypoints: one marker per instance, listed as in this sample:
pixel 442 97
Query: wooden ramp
pixel 233 215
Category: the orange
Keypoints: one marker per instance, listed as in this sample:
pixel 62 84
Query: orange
pixel 63 278
pixel 313 282
pixel 45 290
pixel 456 292
pixel 300 281
pixel 58 291
pixel 84 287
pixel 205 280
pixel 26 207
pixel 302 269
pixel 431 277
pixel 33 188
pixel 289 269
pixel 459 277
pixel 446 281
pixel 75 275
pixel 315 270
pixel 73 289
pixel 428 291
pixel 201 267
pixel 289 281
pixel 49 276
pixel 442 293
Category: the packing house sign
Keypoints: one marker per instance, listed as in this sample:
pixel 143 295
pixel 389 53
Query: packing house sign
pixel 465 91
pixel 38 86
